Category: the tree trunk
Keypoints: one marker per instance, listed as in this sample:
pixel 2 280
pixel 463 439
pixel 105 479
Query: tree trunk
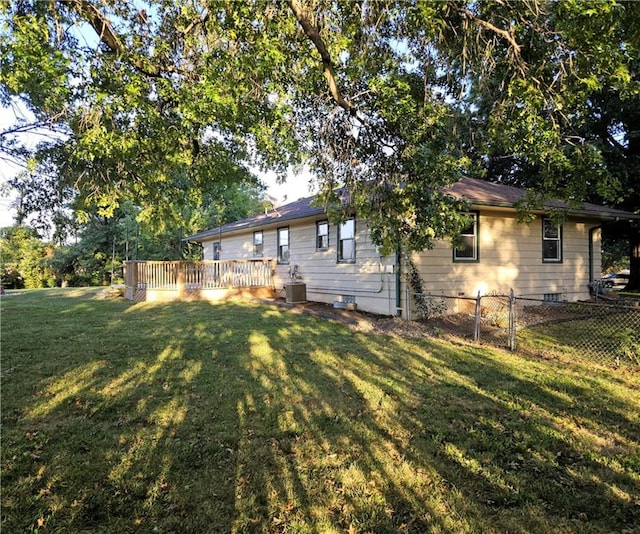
pixel 634 258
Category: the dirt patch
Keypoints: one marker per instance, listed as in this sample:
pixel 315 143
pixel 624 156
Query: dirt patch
pixel 110 293
pixel 362 321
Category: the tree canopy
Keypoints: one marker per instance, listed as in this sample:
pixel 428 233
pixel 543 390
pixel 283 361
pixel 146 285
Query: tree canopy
pixel 99 244
pixel 156 101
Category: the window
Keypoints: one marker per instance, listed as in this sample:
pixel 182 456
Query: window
pixel 551 240
pixel 283 245
pixel 347 241
pixel 322 235
pixel 257 244
pixel 217 248
pixel 467 250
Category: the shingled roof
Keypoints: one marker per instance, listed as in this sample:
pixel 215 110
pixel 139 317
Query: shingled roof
pixel 298 209
pixel 477 192
pixel 483 193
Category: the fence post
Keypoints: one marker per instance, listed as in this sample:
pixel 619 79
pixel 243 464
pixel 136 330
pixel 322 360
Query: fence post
pixel 512 321
pixel 476 323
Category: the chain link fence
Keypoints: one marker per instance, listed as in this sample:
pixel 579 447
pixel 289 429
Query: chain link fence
pixel 605 332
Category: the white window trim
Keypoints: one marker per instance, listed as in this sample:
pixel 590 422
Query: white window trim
pixel 318 223
pixel 282 261
pixel 476 242
pixel 558 240
pixel 255 243
pixel 340 241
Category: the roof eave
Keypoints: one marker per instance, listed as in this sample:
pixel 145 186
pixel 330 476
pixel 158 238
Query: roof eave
pixel 274 218
pixel 221 231
pixel 600 214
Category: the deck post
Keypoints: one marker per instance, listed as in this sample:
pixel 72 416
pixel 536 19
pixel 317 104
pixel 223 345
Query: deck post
pixel 134 276
pixel 180 279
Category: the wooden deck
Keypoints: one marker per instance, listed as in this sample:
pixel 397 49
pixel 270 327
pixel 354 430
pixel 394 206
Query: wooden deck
pixel 199 280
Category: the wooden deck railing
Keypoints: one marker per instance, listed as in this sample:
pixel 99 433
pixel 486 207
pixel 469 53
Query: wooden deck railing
pixel 184 276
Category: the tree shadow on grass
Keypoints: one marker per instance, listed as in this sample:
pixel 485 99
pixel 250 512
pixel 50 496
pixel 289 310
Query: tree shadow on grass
pixel 191 417
pixel 419 437
pixel 123 424
pixel 534 438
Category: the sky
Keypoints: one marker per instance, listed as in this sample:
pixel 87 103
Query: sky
pixel 296 186
pixel 7 170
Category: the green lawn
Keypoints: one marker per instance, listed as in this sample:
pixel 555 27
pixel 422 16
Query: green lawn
pixel 240 417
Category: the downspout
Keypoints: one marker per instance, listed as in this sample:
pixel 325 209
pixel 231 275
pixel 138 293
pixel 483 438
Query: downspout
pixel 398 281
pixel 331 290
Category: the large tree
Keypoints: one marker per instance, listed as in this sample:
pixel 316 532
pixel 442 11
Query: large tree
pixel 392 99
pixel 25 259
pixel 585 143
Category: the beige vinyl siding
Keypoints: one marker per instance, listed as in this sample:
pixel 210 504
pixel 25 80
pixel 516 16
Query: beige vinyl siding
pixel 510 257
pixel 207 250
pixel 238 247
pixel 327 280
pixel 597 253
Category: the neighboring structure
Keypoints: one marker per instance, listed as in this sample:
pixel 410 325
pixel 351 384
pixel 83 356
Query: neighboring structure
pixel 341 264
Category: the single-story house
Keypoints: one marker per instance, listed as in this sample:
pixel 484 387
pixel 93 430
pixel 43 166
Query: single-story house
pixel 542 259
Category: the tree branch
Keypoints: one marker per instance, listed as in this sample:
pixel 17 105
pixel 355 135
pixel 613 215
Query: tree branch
pixel 203 20
pixel 505 34
pixel 99 23
pixel 616 144
pixel 109 37
pixel 327 64
pixel 43 129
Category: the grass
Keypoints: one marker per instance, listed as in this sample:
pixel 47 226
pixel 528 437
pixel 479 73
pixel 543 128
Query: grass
pixel 612 337
pixel 240 417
